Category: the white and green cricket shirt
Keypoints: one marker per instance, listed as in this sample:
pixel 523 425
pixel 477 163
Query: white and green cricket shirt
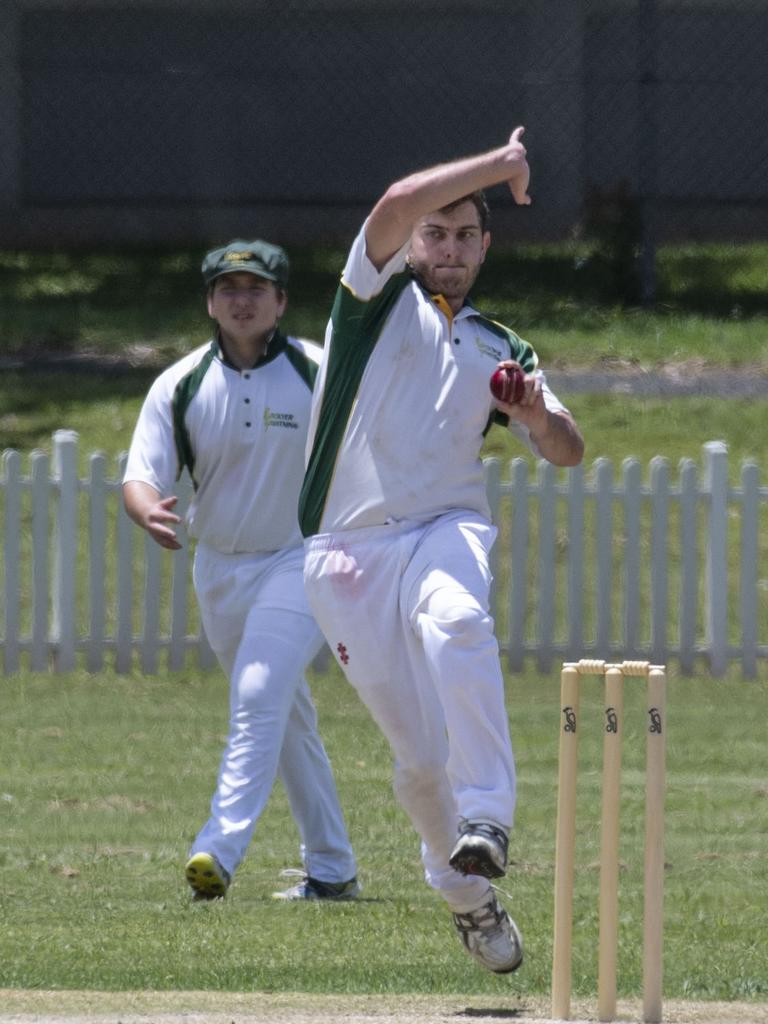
pixel 402 402
pixel 240 433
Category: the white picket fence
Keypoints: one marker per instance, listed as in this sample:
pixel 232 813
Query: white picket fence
pixel 587 565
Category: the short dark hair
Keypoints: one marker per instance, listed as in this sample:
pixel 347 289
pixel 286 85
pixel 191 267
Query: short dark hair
pixel 479 202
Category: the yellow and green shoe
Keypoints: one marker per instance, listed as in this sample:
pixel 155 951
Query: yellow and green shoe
pixel 207 878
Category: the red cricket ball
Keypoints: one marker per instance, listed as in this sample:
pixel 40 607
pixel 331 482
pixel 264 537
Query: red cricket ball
pixel 508 384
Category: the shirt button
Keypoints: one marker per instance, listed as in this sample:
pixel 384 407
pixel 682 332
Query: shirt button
pixel 247 376
pixel 248 424
pixel 457 341
pixel 247 401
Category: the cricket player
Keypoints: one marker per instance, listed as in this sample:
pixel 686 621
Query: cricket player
pixel 235 413
pixel 397 525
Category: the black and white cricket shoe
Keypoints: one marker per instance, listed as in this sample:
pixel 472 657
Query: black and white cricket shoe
pixel 481 849
pixel 491 936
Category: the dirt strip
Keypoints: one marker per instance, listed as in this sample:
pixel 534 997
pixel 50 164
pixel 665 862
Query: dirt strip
pixel 38 1007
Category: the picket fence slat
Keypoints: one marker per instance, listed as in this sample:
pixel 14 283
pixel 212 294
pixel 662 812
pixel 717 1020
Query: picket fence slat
pixel 125 536
pixel 748 595
pixel 547 478
pixel 716 486
pixel 659 561
pixel 41 486
pixel 65 481
pixel 576 562
pixel 689 563
pixel 586 565
pixel 633 492
pixel 97 561
pixel 151 609
pixel 605 582
pixel 12 560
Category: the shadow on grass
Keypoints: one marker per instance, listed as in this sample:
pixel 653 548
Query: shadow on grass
pixel 64 302
pixel 36 402
pixel 108 300
pixel 560 282
pixel 70 324
pixel 482 1012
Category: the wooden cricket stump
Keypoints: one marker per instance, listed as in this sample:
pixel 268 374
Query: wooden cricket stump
pixel 565 838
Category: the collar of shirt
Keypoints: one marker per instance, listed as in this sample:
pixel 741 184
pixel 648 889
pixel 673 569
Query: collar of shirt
pixel 275 346
pixel 467 310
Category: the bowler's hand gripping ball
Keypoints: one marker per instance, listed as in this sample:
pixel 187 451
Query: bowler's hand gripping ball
pixel 508 384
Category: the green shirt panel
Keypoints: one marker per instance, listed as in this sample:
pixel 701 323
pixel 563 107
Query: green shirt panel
pixel 356 326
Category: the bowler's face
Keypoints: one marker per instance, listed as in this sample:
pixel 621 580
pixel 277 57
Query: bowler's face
pixel 447 250
pixel 246 306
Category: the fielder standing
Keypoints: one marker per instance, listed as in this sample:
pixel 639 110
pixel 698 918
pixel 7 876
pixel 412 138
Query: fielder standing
pixel 235 413
pixel 397 526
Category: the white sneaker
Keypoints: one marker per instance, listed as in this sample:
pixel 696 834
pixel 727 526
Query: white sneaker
pixel 313 889
pixel 491 936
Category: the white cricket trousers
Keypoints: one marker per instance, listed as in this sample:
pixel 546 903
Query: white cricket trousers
pixel 404 608
pixel 258 622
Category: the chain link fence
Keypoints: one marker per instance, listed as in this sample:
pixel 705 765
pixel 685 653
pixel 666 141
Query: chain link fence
pixel 193 120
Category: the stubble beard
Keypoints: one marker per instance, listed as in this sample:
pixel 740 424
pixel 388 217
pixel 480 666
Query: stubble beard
pixel 456 287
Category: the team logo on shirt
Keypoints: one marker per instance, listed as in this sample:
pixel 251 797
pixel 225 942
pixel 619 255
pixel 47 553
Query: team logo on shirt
pixel 490 350
pixel 279 419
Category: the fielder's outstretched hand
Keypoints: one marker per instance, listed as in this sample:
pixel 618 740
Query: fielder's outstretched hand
pixel 521 177
pixel 157 523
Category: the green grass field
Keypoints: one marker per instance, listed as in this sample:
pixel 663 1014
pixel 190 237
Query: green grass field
pixel 106 779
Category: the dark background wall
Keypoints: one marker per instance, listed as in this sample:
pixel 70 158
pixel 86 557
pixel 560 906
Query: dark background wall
pixel 191 121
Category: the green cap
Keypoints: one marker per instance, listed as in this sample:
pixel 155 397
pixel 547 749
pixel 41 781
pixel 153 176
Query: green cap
pixel 257 257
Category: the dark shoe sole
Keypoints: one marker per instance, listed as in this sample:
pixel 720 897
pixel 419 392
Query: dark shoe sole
pixel 475 862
